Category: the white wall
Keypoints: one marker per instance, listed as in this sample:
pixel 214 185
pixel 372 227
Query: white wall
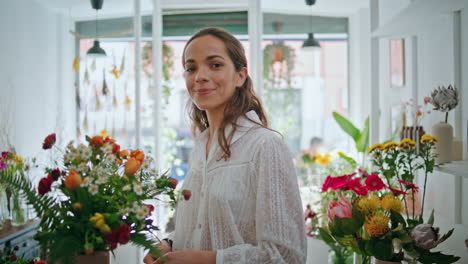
pixel 36 80
pixel 434 65
pixel 359 65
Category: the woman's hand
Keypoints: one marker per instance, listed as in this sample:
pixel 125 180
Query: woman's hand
pixel 189 257
pixel 163 247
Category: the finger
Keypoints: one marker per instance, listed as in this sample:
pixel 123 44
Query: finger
pixel 149 259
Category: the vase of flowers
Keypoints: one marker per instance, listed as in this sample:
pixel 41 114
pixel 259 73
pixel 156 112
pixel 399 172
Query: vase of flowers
pixel 94 198
pixel 444 99
pixel 102 257
pixel 11 165
pixel 369 213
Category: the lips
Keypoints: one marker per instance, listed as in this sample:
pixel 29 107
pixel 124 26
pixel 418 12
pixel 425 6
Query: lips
pixel 204 91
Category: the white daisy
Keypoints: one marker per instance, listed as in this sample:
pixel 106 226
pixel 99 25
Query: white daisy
pixel 127 187
pixel 82 167
pixel 86 153
pixel 93 189
pixel 141 214
pixel 124 211
pixel 138 189
pixel 109 159
pixel 152 186
pixel 107 148
pixel 101 180
pixel 85 182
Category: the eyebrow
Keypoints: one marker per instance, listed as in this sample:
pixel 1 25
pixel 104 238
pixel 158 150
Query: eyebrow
pixel 207 58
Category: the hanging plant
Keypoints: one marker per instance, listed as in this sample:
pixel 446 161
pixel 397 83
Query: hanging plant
pixel 168 62
pixel 167 67
pixel 278 64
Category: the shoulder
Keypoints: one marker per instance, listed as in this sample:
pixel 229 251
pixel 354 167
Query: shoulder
pixel 265 140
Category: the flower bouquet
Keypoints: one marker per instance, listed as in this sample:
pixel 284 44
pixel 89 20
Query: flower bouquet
pixel 11 165
pixel 94 199
pixel 375 215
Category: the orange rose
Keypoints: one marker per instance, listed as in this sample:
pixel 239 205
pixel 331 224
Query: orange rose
pixel 132 166
pixel 72 180
pixel 115 148
pixel 119 161
pixel 97 141
pixel 137 154
pixel 124 153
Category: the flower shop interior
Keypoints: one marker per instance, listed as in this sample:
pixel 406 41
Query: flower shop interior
pixel 341 80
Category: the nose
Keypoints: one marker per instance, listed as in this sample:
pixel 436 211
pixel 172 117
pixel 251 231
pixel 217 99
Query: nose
pixel 201 75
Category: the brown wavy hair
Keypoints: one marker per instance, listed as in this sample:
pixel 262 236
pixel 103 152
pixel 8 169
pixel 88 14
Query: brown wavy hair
pixel 243 100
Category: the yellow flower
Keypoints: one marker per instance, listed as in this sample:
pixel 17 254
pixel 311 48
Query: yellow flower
pixel 376 147
pixel 377 224
pixel 369 203
pixel 407 143
pixel 390 145
pixel 323 159
pixel 392 203
pixel 98 220
pixel 429 139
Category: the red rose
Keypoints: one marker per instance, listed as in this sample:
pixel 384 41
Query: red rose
pixel 44 186
pixel 13 257
pixel 49 141
pixel 173 183
pixel 41 262
pixel 55 174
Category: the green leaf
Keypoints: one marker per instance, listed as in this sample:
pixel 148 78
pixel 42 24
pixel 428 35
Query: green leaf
pixel 431 218
pixel 347 126
pixel 140 240
pixel 362 143
pixel 397 219
pixel 325 236
pixel 383 249
pixel 437 257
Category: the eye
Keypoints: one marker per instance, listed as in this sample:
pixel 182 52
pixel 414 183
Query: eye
pixel 216 65
pixel 190 69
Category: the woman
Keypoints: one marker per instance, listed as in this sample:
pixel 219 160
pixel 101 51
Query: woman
pixel 245 206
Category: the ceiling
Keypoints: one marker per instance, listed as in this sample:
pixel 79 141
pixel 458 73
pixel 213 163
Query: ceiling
pixel 81 9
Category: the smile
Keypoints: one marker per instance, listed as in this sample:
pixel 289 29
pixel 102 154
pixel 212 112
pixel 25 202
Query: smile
pixel 204 91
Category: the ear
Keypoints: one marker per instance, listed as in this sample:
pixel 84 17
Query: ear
pixel 241 76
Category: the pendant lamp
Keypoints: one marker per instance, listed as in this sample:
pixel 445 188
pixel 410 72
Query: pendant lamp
pixel 96 50
pixel 310 42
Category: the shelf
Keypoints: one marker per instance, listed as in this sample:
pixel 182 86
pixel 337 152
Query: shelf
pixel 456 168
pixel 417 15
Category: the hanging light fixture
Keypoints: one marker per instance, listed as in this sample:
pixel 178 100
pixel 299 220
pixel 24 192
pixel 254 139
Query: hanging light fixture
pixel 310 42
pixel 96 50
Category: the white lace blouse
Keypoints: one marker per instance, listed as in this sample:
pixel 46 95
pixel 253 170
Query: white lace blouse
pixel 247 208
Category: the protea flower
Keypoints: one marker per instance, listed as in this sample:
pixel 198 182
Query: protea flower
pixel 444 99
pixel 427 237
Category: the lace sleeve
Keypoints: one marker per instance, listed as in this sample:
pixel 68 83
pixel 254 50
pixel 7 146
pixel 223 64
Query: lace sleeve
pixel 279 227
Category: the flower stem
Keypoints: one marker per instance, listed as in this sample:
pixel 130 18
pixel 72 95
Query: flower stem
pixel 446 117
pixel 404 197
pixel 424 194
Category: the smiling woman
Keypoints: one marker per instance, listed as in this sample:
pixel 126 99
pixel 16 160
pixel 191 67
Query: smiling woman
pixel 245 206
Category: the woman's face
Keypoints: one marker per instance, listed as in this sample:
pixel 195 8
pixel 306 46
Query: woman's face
pixel 210 76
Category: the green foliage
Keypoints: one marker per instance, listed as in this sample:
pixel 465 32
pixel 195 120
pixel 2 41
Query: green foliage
pixel 360 137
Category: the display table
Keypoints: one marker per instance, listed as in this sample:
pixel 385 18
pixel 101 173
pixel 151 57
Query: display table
pixel 447 194
pixel 21 236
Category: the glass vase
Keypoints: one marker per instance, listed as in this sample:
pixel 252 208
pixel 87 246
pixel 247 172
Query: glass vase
pixel 18 212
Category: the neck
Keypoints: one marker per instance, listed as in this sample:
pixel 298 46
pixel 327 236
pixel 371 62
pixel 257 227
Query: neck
pixel 215 117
